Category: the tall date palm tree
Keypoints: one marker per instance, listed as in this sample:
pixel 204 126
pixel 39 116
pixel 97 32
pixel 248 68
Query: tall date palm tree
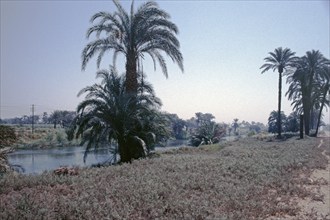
pixel 280 60
pixel 134 34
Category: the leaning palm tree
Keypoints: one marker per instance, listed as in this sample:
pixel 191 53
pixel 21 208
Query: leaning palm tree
pixel 147 31
pixel 280 60
pixel 109 114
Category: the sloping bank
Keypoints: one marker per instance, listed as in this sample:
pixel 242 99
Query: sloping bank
pixel 4 166
pixel 241 180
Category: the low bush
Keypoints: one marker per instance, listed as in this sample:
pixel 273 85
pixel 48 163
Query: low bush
pixel 7 136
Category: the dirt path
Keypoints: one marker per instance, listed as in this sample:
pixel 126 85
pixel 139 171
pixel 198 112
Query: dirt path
pixel 317 207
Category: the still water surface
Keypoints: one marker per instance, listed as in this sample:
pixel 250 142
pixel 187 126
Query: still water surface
pixel 35 161
pixel 38 160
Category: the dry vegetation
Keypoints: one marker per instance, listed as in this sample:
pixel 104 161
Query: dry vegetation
pixel 7 136
pixel 247 179
pixel 44 136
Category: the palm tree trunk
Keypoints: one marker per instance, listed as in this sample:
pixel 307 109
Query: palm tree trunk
pixel 322 105
pixel 131 74
pixel 307 114
pixel 123 151
pixel 313 114
pixel 307 117
pixel 319 120
pixel 306 106
pixel 279 123
pixel 308 103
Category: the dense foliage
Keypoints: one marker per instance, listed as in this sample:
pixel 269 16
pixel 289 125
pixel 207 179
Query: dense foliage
pixel 207 130
pixel 309 87
pixel 248 179
pixel 179 128
pixel 109 114
pixel 289 123
pixel 59 117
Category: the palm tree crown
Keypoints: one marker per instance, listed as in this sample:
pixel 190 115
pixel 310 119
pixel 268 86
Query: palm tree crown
pixel 145 31
pixel 280 60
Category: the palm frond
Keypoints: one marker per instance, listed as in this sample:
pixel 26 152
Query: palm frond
pixel 99 46
pixel 171 50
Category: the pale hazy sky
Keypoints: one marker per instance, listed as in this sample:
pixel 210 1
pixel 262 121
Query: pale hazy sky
pixel 223 44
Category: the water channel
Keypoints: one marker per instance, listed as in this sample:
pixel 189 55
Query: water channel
pixel 35 161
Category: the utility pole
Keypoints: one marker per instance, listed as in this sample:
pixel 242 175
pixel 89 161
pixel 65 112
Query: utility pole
pixel 32 119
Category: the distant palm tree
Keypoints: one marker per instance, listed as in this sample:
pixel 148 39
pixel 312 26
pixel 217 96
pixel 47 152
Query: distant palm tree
pixel 134 34
pixel 109 114
pixel 292 122
pixel 309 85
pixel 235 125
pixel 280 60
pixel 273 123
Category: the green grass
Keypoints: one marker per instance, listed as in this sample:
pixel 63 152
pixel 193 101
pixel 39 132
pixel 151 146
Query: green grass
pixel 239 180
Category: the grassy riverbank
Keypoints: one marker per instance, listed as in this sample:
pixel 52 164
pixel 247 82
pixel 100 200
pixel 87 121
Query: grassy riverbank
pixel 245 179
pixel 43 136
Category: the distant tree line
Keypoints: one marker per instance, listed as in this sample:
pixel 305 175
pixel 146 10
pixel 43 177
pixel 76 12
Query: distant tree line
pixel 60 118
pixel 202 129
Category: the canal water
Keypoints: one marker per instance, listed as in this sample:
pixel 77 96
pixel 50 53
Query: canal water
pixel 35 161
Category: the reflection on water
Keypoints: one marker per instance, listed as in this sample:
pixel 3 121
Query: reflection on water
pixel 37 161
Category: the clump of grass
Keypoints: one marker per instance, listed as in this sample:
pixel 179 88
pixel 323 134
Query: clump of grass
pixel 247 179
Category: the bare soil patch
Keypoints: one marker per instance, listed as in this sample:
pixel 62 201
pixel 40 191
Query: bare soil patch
pixel 318 205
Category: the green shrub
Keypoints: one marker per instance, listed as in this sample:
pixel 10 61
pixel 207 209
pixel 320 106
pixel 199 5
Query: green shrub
pixel 251 133
pixel 61 138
